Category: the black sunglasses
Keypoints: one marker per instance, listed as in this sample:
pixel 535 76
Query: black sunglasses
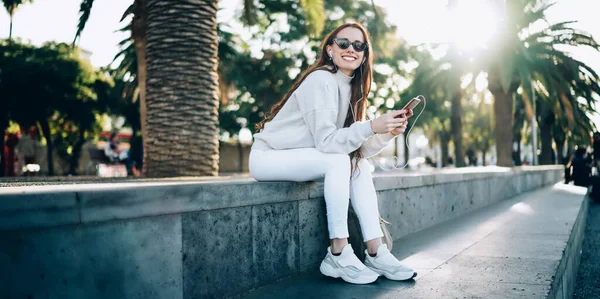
pixel 344 43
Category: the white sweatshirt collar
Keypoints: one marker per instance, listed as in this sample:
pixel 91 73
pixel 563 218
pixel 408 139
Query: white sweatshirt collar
pixel 343 78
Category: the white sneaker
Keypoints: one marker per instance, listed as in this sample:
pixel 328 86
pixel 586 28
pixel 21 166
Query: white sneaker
pixel 386 264
pixel 347 266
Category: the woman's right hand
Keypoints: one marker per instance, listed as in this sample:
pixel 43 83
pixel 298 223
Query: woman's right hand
pixel 388 121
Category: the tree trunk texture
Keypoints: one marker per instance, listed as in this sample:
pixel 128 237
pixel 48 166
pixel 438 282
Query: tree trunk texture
pixel 483 154
pixel 10 29
pixel 11 14
pixel 139 34
pixel 2 157
pixel 517 158
pixel 182 89
pixel 546 138
pixel 456 130
pixel 503 115
pixel 444 141
pixel 74 160
pixel 49 146
pixel 560 147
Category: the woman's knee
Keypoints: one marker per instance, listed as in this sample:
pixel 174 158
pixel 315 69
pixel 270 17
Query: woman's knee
pixel 255 165
pixel 364 165
pixel 338 161
pixel 363 168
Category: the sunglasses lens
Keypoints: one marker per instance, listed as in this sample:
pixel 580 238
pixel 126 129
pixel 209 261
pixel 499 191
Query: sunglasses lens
pixel 358 46
pixel 343 43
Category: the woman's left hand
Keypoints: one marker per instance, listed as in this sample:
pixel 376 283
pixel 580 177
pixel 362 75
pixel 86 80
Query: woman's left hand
pixel 399 130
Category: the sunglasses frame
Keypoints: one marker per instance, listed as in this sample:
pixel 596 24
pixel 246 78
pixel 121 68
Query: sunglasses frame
pixel 365 45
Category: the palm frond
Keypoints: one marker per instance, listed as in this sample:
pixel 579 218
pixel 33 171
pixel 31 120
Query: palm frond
pixel 84 14
pixel 528 12
pixel 128 11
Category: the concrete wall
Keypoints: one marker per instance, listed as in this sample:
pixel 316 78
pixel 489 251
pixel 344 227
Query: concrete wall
pixel 208 239
pixel 563 284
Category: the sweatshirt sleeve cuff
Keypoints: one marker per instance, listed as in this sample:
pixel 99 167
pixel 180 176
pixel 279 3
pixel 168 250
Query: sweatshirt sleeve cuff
pixel 365 129
pixel 388 136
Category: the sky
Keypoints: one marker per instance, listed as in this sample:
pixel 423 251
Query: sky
pixel 418 22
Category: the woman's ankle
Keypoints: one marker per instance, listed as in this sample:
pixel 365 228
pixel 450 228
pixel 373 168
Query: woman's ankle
pixel 373 245
pixel 337 245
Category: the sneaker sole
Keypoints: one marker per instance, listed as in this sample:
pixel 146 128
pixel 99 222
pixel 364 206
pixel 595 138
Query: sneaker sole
pixel 327 270
pixel 398 276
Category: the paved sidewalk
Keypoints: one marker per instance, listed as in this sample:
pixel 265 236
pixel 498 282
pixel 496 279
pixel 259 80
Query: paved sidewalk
pixel 588 278
pixel 507 250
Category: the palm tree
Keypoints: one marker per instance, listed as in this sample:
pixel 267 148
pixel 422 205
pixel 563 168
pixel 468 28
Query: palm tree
pixel 441 79
pixel 454 91
pixel 559 84
pixel 182 100
pixel 179 54
pixel 433 80
pixel 11 6
pixel 567 98
pixel 522 53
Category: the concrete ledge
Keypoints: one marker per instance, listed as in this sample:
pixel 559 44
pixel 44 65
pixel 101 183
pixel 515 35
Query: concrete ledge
pixel 255 232
pixel 46 206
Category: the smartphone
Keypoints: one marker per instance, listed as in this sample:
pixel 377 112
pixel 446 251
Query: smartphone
pixel 410 105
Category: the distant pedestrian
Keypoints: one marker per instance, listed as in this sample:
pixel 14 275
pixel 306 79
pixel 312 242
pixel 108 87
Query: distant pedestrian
pixel 579 168
pixel 116 154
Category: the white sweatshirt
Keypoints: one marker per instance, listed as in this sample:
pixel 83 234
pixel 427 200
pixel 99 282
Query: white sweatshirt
pixel 314 116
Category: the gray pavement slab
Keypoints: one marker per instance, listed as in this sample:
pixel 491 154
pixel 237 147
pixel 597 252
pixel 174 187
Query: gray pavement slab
pixel 314 285
pixel 510 249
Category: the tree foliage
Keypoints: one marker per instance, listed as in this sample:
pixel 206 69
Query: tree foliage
pixel 54 88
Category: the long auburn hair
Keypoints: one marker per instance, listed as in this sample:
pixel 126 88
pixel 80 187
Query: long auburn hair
pixel 362 76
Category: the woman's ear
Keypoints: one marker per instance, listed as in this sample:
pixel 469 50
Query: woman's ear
pixel 329 53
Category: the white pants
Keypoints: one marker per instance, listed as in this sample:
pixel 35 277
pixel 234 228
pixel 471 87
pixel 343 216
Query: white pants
pixel 307 164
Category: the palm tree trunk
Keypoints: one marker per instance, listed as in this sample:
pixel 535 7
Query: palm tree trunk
pixel 2 157
pixel 517 159
pixel 139 34
pixel 503 105
pixel 559 134
pixel 76 154
pixel 444 141
pixel 240 156
pixel 10 29
pixel 456 130
pixel 49 146
pixel 182 89
pixel 546 137
pixel 560 147
pixel 11 13
pixel 483 154
pixel 503 115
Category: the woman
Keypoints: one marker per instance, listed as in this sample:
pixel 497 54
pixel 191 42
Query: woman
pixel 319 130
